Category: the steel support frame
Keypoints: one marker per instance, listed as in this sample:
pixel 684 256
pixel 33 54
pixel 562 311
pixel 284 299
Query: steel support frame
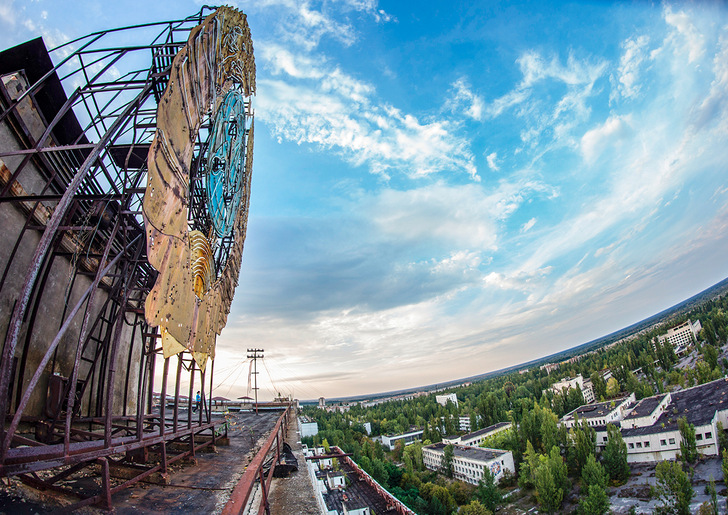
pixel 89 428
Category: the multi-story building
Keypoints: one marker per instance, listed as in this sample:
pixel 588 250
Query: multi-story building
pixel 683 334
pixel 477 437
pixel 599 414
pixel 468 463
pixel 651 429
pixel 408 437
pixel 585 385
pixel 464 422
pixel 443 399
pixel 308 427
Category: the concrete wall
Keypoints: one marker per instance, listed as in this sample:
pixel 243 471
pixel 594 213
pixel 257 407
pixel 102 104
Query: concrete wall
pixel 50 314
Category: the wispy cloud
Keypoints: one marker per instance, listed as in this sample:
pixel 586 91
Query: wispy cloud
pixel 342 114
pixel 552 121
pixel 492 160
pixel 635 54
pixel 464 101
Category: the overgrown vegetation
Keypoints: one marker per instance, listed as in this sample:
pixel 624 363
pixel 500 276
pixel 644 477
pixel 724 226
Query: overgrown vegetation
pixel 552 463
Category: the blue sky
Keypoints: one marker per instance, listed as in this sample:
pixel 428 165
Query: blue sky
pixel 440 191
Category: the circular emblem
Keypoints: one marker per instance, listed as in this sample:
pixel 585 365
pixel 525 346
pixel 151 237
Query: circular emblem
pixel 225 178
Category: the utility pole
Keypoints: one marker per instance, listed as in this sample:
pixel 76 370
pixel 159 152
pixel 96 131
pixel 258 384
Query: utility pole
pixel 255 357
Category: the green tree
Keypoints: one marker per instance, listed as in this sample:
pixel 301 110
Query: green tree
pixel 612 387
pixel 614 455
pixel 725 465
pixel 549 495
pixel 487 492
pixel 596 502
pixel 673 488
pixel 722 437
pixel 379 472
pixel 447 455
pixel 527 471
pixel 444 497
pixel 710 355
pixel 551 480
pixel 688 445
pixel 600 385
pixel 474 508
pixel 593 473
pixel 583 445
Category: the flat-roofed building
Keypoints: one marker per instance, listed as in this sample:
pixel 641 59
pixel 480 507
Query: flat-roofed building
pixel 598 415
pixel 651 429
pixel 682 335
pixel 408 437
pixel 477 437
pixel 443 399
pixel 566 384
pixel 469 463
pixel 308 427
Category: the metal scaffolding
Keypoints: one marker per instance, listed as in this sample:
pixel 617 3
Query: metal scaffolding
pixel 80 362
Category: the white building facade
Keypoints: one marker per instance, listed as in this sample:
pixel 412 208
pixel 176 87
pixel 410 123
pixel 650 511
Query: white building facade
pixel 308 427
pixel 651 430
pixel 683 334
pixel 442 399
pixel 409 437
pixel 585 385
pixel 469 463
pixel 475 438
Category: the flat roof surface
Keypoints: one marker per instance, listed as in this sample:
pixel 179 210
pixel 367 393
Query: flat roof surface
pixel 645 407
pixel 411 430
pixel 484 431
pixel 473 453
pixel 596 410
pixel 697 404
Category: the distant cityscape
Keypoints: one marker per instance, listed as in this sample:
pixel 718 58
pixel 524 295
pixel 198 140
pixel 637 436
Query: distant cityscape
pixel 656 396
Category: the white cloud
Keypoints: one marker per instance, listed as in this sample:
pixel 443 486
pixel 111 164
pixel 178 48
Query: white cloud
pixel 465 101
pixel 461 217
pixel 629 65
pixel 8 13
pixel 687 36
pixel 341 113
pixel 595 141
pixel 555 119
pixel 492 161
pixel 304 25
pixel 528 225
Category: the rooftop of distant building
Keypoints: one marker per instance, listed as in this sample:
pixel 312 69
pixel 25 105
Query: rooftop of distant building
pixel 473 453
pixel 645 407
pixel 595 410
pixel 485 430
pixel 697 404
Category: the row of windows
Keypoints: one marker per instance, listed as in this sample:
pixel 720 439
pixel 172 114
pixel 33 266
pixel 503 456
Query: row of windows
pixel 639 445
pixel 663 442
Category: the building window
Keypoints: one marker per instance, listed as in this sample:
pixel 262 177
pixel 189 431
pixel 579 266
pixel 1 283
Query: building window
pixel 708 435
pixel 604 438
pixel 631 445
pixel 639 445
pixel 698 436
pixel 672 441
pixel 663 442
pixel 647 444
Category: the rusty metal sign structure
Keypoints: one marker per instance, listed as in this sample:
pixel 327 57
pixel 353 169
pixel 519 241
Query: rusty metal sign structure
pixel 123 225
